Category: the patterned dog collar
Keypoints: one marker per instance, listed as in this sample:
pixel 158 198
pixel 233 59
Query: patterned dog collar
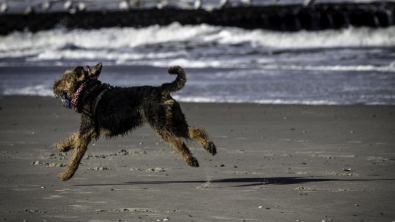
pixel 74 101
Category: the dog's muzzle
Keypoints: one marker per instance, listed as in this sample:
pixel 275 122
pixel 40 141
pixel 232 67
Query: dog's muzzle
pixel 65 101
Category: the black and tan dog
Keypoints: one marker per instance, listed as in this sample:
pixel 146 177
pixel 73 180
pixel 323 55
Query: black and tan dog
pixel 111 111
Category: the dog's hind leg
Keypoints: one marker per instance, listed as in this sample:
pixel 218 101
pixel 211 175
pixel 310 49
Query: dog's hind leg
pixel 81 145
pixel 179 146
pixel 180 128
pixel 67 144
pixel 200 136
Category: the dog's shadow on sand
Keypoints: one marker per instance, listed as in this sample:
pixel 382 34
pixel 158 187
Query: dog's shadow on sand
pixel 233 182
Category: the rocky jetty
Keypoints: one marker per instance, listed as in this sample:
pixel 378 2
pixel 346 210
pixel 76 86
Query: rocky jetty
pixel 280 18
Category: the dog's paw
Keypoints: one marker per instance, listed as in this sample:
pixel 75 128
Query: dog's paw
pixel 62 148
pixel 64 176
pixel 211 148
pixel 192 161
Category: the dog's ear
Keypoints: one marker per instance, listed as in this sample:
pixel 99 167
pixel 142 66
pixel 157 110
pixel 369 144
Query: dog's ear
pixel 79 72
pixel 96 70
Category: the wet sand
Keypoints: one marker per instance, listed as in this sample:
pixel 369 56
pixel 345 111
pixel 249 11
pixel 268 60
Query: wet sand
pixel 274 163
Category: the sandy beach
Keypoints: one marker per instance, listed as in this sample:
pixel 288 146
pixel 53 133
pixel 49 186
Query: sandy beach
pixel 274 163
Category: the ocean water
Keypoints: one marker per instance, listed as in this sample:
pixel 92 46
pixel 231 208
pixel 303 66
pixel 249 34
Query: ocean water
pixel 223 64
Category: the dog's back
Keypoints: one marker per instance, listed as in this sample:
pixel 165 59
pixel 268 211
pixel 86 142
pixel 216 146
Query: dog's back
pixel 123 109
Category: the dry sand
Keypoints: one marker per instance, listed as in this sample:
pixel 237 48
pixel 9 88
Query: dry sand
pixel 274 163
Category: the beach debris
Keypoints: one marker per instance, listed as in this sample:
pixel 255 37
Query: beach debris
pixel 347 169
pixel 143 210
pixel 342 174
pixel 34 211
pixel 157 169
pixel 37 163
pixel 206 185
pixel 99 168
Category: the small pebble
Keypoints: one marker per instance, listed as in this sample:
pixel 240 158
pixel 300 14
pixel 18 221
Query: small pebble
pixel 36 163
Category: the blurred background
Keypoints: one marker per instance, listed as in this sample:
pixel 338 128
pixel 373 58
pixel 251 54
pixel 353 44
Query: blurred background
pixel 270 52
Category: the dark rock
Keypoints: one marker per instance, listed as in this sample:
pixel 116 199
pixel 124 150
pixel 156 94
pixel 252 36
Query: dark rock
pixel 280 18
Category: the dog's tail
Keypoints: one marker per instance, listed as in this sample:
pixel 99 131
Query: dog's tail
pixel 176 84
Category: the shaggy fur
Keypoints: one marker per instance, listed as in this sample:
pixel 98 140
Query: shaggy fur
pixel 111 111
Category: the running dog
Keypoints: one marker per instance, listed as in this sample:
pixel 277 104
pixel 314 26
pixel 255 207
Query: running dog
pixel 111 111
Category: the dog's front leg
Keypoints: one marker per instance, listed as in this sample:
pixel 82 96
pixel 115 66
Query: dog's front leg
pixel 67 144
pixel 81 145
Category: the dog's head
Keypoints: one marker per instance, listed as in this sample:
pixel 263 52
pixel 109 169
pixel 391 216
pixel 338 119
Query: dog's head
pixel 71 80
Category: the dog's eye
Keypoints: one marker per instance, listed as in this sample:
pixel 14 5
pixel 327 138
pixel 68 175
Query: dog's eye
pixel 69 80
